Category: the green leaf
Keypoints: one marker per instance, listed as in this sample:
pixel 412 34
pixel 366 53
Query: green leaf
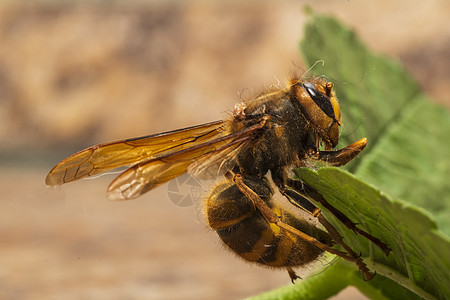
pixel 420 257
pixel 408 158
pixel 412 160
pixel 418 266
pixel 408 152
pixel 373 90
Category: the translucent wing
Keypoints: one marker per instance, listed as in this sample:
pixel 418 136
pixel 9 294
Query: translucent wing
pixel 108 156
pixel 147 175
pixel 215 164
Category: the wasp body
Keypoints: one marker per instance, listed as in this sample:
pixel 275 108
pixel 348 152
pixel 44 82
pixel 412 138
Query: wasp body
pixel 277 131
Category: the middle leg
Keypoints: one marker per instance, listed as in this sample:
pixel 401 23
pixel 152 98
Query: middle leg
pixel 271 217
pixel 298 195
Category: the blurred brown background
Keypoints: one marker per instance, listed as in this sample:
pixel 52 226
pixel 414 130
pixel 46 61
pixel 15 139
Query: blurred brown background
pixel 73 74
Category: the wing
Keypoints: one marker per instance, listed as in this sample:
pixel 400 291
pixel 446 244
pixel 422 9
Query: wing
pixel 108 156
pixel 147 175
pixel 215 164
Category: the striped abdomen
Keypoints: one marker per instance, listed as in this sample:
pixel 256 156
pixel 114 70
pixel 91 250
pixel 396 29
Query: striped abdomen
pixel 244 230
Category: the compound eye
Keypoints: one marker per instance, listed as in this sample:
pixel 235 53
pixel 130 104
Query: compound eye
pixel 320 99
pixel 310 88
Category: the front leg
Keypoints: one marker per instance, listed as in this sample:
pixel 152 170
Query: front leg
pixel 339 157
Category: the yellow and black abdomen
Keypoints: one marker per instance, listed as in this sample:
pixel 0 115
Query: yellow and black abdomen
pixel 244 230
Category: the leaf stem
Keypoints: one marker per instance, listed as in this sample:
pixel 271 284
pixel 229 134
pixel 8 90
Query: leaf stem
pixel 399 278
